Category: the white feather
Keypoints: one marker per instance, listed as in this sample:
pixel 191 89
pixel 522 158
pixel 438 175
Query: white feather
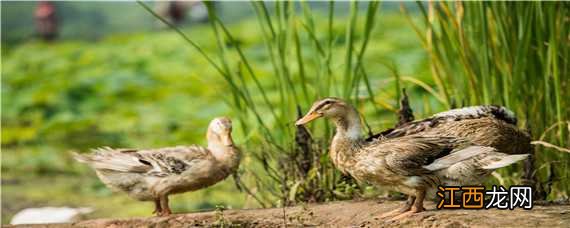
pixel 478 111
pixel 474 110
pixel 510 114
pixel 505 161
pixel 455 157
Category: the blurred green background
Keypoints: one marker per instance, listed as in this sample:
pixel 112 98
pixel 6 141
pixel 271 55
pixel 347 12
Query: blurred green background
pixel 116 77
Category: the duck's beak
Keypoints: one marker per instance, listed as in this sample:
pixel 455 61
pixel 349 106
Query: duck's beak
pixel 308 118
pixel 227 140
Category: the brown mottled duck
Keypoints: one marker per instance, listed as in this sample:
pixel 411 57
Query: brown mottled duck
pixel 154 174
pixel 459 146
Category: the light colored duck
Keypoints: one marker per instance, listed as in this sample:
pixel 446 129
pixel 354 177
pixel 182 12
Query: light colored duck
pixel 154 174
pixel 421 155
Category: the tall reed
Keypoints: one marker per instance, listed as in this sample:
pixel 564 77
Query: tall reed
pixel 296 166
pixel 509 53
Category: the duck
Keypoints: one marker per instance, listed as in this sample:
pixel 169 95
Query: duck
pixel 449 148
pixel 154 174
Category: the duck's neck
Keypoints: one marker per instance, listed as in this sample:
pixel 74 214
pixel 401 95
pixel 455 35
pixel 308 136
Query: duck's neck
pixel 227 156
pixel 348 127
pixel 347 138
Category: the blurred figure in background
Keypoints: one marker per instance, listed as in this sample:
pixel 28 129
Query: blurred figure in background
pixel 50 215
pixel 177 11
pixel 173 11
pixel 46 20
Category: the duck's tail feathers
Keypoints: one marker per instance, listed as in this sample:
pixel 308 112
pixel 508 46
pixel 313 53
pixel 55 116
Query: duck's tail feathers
pixel 458 156
pixel 83 158
pixel 505 161
pixel 115 161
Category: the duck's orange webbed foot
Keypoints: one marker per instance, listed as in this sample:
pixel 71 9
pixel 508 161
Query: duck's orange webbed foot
pixel 417 207
pixel 406 214
pixel 404 208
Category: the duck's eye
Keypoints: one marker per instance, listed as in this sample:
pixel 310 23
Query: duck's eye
pixel 327 104
pixel 326 107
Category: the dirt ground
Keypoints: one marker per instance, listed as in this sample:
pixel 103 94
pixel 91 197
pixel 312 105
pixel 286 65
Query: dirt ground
pixel 347 214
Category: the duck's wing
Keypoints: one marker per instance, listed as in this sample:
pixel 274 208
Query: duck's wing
pixel 174 160
pixel 408 155
pixel 156 162
pixel 447 157
pixel 409 128
pixel 473 112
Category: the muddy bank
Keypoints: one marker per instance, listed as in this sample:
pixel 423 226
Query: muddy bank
pixel 346 214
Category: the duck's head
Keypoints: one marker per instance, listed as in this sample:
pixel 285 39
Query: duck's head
pixel 220 131
pixel 333 108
